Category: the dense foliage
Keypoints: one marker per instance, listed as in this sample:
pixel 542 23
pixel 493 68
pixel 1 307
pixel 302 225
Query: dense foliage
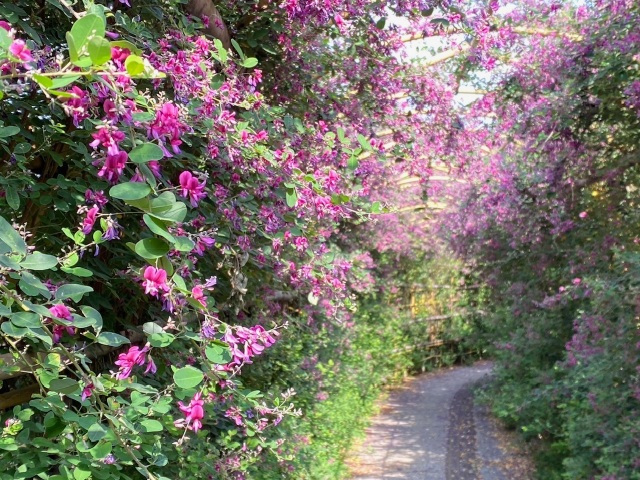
pixel 178 223
pixel 548 215
pixel 222 229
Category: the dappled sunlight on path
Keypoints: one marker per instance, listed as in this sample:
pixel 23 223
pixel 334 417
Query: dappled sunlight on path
pixel 426 430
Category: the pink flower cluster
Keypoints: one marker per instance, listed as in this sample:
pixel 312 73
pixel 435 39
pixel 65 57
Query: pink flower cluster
pixel 194 413
pixel 246 343
pixel 168 126
pixel 134 356
pixel 155 280
pixel 191 188
pixel 62 312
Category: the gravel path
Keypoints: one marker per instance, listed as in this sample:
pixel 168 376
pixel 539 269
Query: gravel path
pixel 432 429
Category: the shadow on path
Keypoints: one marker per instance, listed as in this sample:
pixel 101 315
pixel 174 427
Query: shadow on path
pixel 426 430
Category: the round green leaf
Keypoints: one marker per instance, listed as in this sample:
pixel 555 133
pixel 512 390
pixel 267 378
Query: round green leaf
pixel 99 50
pixel 96 432
pixel 151 248
pixel 112 339
pixel 73 291
pixel 149 426
pixel 219 354
pixel 64 385
pixel 145 153
pixel 130 191
pixel 188 377
pixel 39 261
pixel 134 65
pixel 11 238
pixel 161 339
pixel 85 28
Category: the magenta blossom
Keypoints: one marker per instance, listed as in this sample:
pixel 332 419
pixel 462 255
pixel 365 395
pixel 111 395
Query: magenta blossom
pixel 62 312
pixel 87 391
pixel 19 50
pixel 194 413
pixel 134 356
pixel 90 219
pixel 113 166
pixel 191 188
pixel 198 295
pixel 155 279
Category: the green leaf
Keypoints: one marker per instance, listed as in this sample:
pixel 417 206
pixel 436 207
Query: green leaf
pixel 85 28
pixel 219 354
pixel 9 131
pixel 161 340
pixel 101 450
pixel 99 50
pixel 130 191
pixel 96 432
pixel 73 291
pixel 222 52
pixel 63 81
pixel 237 48
pixel 158 227
pixel 32 286
pixel 151 248
pixel 22 148
pixel 353 162
pixel 6 261
pixel 77 271
pixel 127 45
pixel 364 142
pixel 39 261
pixel 11 238
pixel 250 62
pixel 64 385
pixel 291 197
pixel 13 331
pixel 80 473
pixel 150 328
pixel 376 207
pixel 146 153
pixel 188 377
pixel 112 339
pixel 134 65
pixel 73 50
pixel 149 426
pixel 92 313
pixel 26 320
pixel 13 200
pixel 184 244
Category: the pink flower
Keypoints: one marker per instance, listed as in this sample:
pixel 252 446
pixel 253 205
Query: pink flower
pixel 192 188
pixel 19 50
pixel 134 356
pixel 61 311
pixel 198 295
pixel 59 330
pixel 113 166
pixel 87 391
pixel 583 215
pixel 90 219
pixel 194 413
pixel 155 279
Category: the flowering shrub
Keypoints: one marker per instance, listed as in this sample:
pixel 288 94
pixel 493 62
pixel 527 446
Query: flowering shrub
pixel 154 208
pixel 547 212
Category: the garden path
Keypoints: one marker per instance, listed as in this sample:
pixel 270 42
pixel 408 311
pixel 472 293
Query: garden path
pixel 432 429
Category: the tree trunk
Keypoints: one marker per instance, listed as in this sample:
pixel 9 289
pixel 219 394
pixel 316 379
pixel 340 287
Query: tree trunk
pixel 216 28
